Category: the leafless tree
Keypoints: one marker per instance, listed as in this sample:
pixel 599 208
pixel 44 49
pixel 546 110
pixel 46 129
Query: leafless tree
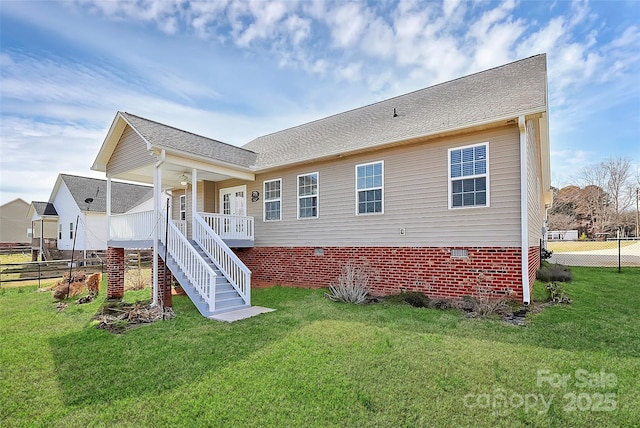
pixel 562 223
pixel 607 193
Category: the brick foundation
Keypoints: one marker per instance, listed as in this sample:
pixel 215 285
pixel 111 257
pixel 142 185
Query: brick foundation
pixel 431 270
pixel 115 273
pixel 534 264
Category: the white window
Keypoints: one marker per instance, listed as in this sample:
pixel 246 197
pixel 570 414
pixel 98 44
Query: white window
pixel 29 232
pixel 308 195
pixel 59 230
pixel 71 230
pixel 183 207
pixel 272 199
pixel 469 176
pixel 370 188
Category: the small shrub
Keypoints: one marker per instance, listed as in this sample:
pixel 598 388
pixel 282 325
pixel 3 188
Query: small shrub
pixel 554 272
pixel 352 286
pixel 556 293
pixel 414 298
pixel 583 237
pixel 135 280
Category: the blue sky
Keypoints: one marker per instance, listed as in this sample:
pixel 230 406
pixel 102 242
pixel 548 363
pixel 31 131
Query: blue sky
pixel 234 70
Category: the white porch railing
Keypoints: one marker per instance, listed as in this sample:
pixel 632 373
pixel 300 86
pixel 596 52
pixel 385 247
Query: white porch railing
pixel 132 226
pixel 226 260
pixel 182 226
pixel 230 226
pixel 196 269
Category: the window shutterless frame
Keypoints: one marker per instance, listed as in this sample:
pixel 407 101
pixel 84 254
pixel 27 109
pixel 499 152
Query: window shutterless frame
pixel 308 192
pixel 370 188
pixel 272 196
pixel 468 176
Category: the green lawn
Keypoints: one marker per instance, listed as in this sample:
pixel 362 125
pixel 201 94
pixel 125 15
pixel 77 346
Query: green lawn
pixel 318 363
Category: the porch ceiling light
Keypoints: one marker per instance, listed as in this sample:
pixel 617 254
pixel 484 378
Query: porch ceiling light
pixel 184 180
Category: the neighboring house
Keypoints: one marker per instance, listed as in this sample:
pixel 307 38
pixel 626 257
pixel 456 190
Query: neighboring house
pixel 562 235
pixel 77 207
pixel 44 221
pixel 14 226
pixel 442 190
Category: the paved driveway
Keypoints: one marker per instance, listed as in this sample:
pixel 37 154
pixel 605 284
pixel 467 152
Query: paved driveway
pixel 629 256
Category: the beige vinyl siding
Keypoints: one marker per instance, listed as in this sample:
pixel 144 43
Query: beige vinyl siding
pixel 415 192
pixel 175 203
pixel 130 153
pixel 534 191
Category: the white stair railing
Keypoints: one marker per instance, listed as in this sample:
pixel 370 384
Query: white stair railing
pixel 230 226
pixel 195 268
pixel 226 260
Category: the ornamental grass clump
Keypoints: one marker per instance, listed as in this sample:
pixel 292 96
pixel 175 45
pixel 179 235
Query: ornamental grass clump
pixel 352 286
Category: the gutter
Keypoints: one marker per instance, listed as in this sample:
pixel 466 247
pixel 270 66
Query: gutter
pixel 524 212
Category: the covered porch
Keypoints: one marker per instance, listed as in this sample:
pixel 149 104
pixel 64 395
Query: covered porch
pixel 196 215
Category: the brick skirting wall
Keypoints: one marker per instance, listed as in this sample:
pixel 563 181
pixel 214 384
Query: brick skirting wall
pixel 534 264
pixel 431 270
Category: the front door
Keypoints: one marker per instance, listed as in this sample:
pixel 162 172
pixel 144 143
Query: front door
pixel 233 202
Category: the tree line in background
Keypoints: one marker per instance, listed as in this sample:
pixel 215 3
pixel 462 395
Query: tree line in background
pixel 604 203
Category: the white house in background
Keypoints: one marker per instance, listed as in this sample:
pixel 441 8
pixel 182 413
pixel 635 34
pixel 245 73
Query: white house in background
pixel 82 201
pixel 562 235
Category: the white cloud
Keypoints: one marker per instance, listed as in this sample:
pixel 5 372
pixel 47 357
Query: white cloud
pixel 347 23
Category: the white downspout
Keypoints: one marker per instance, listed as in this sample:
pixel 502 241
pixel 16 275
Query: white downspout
pixel 194 196
pixel 524 211
pixel 157 206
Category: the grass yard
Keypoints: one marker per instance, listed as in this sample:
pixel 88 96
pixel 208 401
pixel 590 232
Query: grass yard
pixel 318 363
pixel 573 246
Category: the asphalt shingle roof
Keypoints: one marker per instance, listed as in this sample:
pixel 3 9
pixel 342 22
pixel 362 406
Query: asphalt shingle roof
pixel 44 208
pixel 168 137
pixel 124 196
pixel 506 91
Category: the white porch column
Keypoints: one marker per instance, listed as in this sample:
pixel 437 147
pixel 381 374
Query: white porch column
pixel 194 195
pixel 157 207
pixel 108 208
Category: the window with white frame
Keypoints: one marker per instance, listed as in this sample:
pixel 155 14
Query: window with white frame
pixel 308 195
pixel 60 231
pixel 370 188
pixel 29 232
pixel 71 230
pixel 272 199
pixel 469 176
pixel 183 207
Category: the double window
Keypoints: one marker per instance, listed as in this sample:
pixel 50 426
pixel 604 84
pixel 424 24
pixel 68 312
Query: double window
pixel 469 176
pixel 273 200
pixel 308 195
pixel 70 230
pixel 370 188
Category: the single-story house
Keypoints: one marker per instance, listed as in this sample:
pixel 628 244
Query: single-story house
pixel 562 235
pixel 442 190
pixel 76 211
pixel 14 226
